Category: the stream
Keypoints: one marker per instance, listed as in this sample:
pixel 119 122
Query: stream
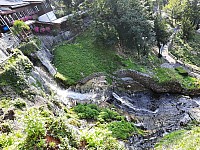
pixel 158 114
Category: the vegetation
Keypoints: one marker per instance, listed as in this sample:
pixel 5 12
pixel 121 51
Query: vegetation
pixel 117 17
pixel 91 111
pixel 76 61
pixel 187 51
pixel 181 139
pixel 165 75
pixel 30 47
pixel 20 28
pixel 122 129
pixel 14 71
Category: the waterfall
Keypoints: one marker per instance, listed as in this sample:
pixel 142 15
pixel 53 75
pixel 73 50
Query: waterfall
pixel 131 106
pixel 63 94
pixel 44 56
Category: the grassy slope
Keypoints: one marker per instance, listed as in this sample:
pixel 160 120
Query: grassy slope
pixel 189 51
pixel 181 140
pixel 81 59
pixel 78 60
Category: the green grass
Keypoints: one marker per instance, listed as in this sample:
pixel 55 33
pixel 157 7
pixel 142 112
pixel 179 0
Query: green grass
pixel 189 51
pixel 164 75
pixel 78 60
pixel 181 139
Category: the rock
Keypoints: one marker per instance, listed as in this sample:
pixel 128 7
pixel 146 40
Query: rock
pixel 185 120
pixel 9 115
pixel 195 114
pixel 167 65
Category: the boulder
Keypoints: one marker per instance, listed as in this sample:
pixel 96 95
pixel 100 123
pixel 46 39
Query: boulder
pixel 195 114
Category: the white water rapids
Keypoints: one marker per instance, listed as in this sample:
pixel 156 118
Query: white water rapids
pixel 63 94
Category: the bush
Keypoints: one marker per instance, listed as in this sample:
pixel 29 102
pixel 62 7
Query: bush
pixel 122 129
pixel 84 111
pixel 181 71
pixel 107 115
pixel 35 129
pixel 58 129
pixel 99 138
pixel 28 48
pixel 19 103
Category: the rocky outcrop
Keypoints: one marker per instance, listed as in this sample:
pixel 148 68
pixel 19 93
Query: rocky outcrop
pixel 149 82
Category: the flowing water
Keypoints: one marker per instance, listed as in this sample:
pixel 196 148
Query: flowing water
pixel 157 113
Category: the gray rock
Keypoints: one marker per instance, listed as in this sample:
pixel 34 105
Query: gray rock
pixel 185 120
pixel 195 114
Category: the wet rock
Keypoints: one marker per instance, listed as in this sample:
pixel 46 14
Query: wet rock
pixel 9 115
pixel 185 120
pixel 195 114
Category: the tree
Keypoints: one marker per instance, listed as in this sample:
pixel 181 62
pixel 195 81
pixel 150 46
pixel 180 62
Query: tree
pixel 187 29
pixel 175 9
pixel 192 12
pixel 161 33
pixel 122 21
pixel 20 28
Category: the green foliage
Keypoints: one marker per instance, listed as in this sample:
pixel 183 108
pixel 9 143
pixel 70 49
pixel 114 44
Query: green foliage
pixel 122 21
pixel 91 111
pixel 87 111
pixel 122 129
pixel 187 29
pixel 61 78
pixel 59 129
pixel 101 139
pixel 28 48
pixel 19 103
pixel 160 29
pixel 78 60
pixel 19 28
pixel 187 51
pixel 5 140
pixel 14 71
pixel 107 115
pixel 35 129
pixel 181 71
pixel 165 75
pixel 5 128
pixel 181 139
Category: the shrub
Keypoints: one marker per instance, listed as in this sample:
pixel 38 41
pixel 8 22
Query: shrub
pixel 28 48
pixel 5 140
pixel 59 130
pixel 19 103
pixel 99 138
pixel 122 129
pixel 107 115
pixel 84 111
pixel 35 129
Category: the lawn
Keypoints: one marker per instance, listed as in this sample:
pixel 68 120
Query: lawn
pixel 82 58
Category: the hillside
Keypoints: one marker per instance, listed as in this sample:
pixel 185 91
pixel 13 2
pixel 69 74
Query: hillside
pixel 103 75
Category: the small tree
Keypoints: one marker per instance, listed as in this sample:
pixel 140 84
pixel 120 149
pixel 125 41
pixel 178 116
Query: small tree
pixel 160 29
pixel 19 28
pixel 187 29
